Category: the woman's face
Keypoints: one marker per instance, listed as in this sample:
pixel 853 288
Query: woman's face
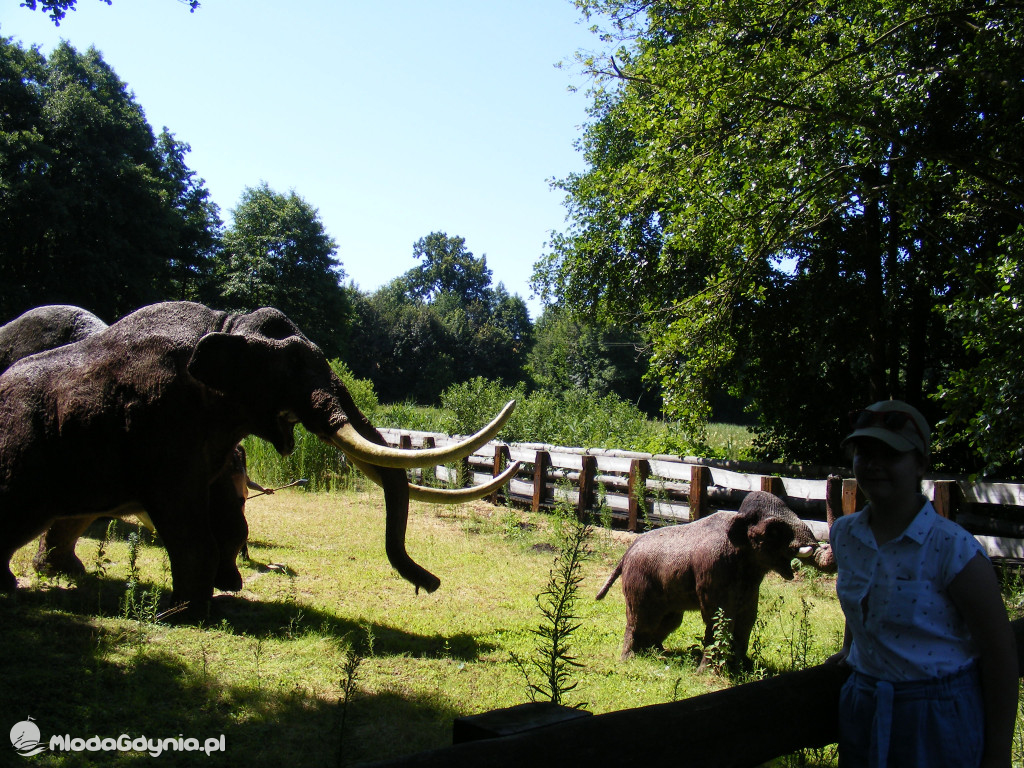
pixel 885 474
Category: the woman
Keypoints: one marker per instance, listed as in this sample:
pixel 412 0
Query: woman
pixel 934 661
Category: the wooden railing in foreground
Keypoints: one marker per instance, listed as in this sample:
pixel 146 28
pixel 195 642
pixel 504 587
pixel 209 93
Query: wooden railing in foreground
pixel 738 727
pixel 643 490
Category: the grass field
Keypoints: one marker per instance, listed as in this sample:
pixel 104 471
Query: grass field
pixel 327 657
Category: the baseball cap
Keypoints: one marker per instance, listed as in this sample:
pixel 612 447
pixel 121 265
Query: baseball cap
pixel 895 423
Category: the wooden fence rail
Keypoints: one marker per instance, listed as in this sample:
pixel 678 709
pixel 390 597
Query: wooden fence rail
pixel 727 728
pixel 738 727
pixel 641 490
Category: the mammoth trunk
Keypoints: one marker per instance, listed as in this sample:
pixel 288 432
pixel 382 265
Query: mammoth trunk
pixel 396 502
pixel 396 498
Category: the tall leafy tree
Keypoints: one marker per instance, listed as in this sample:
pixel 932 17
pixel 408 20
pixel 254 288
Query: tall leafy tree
pixel 198 236
pixel 401 345
pixel 439 324
pixel 572 355
pixel 786 197
pixel 277 253
pixel 448 267
pixel 89 212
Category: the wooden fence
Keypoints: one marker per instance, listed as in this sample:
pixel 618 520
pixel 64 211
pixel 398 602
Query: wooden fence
pixel 738 727
pixel 641 490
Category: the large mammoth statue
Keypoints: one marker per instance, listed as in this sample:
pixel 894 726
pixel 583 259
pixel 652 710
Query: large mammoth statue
pixel 146 413
pixel 44 328
pixel 716 562
pixel 47 327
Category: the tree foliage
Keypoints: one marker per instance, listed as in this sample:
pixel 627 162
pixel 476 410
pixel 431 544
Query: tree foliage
pixel 804 205
pixel 448 267
pixel 571 354
pixel 277 253
pixel 58 9
pixel 95 211
pixel 198 239
pixel 438 324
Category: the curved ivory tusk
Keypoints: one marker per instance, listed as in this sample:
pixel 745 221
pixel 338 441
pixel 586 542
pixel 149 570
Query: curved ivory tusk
pixel 358 448
pixel 461 495
pixel 446 495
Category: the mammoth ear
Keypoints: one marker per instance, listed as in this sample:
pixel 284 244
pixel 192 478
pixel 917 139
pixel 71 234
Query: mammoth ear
pixel 218 360
pixel 739 531
pixel 777 533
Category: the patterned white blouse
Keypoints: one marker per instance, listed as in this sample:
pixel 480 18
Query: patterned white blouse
pixel 903 624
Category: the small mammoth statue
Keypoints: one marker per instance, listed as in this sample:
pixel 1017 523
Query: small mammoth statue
pixel 716 562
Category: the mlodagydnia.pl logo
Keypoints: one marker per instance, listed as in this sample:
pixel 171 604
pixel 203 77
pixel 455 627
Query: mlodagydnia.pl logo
pixel 25 738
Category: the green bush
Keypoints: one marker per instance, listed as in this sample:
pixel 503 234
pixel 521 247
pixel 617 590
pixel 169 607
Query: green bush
pixel 574 419
pixel 471 404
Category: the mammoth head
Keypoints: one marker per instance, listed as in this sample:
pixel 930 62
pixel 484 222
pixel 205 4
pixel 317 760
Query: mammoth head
pixel 267 369
pixel 774 533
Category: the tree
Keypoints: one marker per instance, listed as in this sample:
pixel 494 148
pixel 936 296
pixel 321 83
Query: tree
pixel 197 240
pixel 448 268
pixel 754 170
pixel 570 354
pixel 93 213
pixel 401 345
pixel 277 253
pixel 58 9
pixel 439 324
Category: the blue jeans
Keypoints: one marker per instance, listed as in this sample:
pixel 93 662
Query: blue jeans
pixel 926 724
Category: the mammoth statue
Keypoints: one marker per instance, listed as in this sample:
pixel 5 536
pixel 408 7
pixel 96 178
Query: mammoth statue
pixel 51 326
pixel 44 328
pixel 146 413
pixel 716 562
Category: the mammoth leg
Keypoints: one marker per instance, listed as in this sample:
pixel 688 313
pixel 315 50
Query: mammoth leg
pixel 192 549
pixel 743 626
pixel 56 554
pixel 644 615
pixel 13 536
pixel 230 530
pixel 670 622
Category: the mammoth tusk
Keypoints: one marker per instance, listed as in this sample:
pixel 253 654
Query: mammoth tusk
pixel 446 495
pixel 359 449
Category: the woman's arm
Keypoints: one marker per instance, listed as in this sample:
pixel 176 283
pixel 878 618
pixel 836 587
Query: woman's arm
pixel 976 594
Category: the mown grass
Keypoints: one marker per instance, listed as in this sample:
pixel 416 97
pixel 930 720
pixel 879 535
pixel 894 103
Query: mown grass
pixel 269 669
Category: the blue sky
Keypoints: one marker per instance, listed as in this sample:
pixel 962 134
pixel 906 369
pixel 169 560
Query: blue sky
pixel 393 119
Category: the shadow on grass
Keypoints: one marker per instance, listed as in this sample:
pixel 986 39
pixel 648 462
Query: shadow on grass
pixel 57 667
pixel 102 595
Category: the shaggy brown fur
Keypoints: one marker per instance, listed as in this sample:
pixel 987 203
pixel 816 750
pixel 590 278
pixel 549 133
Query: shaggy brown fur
pixel 716 562
pixel 147 413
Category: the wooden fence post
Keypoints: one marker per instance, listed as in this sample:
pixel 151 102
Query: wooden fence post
pixel 586 486
pixel 639 470
pixel 502 454
pixel 851 494
pixel 700 478
pixel 772 484
pixel 833 499
pixel 946 498
pixel 541 466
